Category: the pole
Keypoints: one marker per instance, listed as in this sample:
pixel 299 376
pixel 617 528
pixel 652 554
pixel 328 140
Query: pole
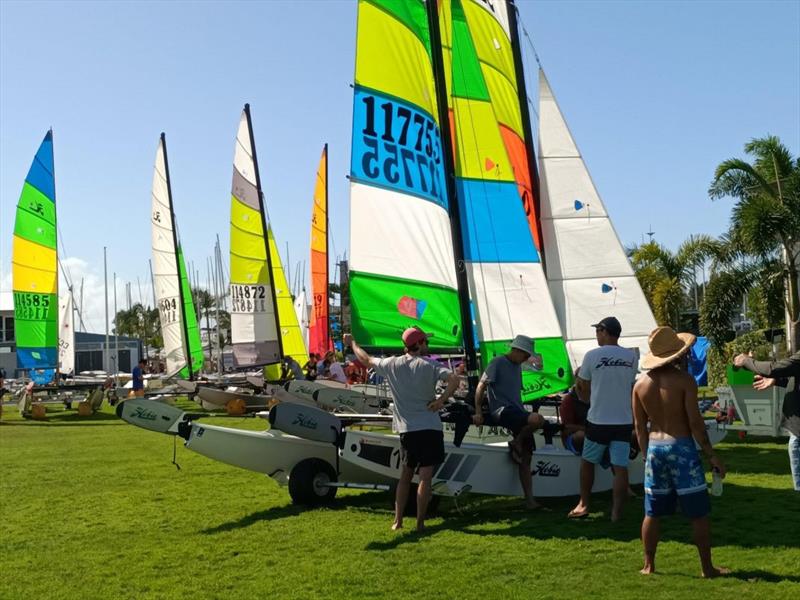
pixel 116 335
pixel 468 332
pixel 329 341
pixel 105 286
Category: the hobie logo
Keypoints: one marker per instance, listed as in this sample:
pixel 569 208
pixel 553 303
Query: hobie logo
pixel 537 385
pixel 304 421
pixel 545 468
pixel 411 307
pixel 143 413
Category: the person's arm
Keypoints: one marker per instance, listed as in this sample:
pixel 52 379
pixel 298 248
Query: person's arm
pixel 584 389
pixel 787 367
pixel 698 426
pixel 452 386
pixel 480 392
pixel 569 419
pixel 640 421
pixel 362 355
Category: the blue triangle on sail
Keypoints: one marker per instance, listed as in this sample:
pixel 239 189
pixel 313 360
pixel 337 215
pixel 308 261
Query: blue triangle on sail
pixel 605 288
pixel 578 205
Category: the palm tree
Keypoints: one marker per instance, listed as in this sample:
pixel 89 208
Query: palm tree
pixel 665 276
pixel 765 227
pixel 204 301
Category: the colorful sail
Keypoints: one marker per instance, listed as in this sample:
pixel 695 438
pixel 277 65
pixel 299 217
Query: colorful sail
pixel 66 335
pixel 319 339
pixel 507 283
pixel 169 275
pixel 589 274
pixel 402 264
pixel 254 320
pixel 34 267
pixel 194 343
pixel 291 335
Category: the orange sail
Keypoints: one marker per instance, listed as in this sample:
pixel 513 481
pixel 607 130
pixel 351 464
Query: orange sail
pixel 319 339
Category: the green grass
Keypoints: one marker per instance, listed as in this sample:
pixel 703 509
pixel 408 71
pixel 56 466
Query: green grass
pixel 93 508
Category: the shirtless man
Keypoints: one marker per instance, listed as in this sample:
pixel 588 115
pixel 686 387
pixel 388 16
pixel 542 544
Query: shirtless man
pixel 666 398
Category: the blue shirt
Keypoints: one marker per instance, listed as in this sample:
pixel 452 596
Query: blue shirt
pixel 138 378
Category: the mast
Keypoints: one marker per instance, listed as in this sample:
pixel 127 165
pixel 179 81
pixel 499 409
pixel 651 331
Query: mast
pixel 264 227
pixel 56 377
pixel 186 350
pixel 452 204
pixel 327 265
pixel 522 94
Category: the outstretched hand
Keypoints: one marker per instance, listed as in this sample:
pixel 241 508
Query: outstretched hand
pixel 717 464
pixel 762 383
pixel 347 339
pixel 739 359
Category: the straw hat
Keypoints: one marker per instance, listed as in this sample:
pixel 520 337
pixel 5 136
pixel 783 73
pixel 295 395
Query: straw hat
pixel 666 346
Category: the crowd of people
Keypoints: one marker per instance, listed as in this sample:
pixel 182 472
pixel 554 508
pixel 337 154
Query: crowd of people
pixel 608 417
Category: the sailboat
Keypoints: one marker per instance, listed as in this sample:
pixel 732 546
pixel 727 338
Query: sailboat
pixel 589 275
pixel 179 329
pixel 35 269
pixel 319 338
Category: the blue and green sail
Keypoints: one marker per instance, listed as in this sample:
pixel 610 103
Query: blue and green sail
pixel 402 268
pixel 35 269
pixel 194 343
pixel 507 284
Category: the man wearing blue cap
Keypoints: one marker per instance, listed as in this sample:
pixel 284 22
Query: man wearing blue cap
pixel 502 380
pixel 605 380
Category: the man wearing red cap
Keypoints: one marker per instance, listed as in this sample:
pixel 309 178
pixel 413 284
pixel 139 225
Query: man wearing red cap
pixel 412 380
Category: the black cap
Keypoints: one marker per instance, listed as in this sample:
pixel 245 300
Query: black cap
pixel 611 325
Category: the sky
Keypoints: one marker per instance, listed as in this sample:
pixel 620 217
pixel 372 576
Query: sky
pixel 655 93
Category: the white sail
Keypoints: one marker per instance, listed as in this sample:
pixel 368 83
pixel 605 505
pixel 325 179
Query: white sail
pixel 301 308
pixel 66 335
pixel 589 275
pixel 165 267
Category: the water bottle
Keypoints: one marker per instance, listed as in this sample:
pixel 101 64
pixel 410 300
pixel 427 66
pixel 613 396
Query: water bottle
pixel 716 482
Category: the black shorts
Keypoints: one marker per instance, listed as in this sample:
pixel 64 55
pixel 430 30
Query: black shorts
pixel 605 434
pixel 513 419
pixel 423 448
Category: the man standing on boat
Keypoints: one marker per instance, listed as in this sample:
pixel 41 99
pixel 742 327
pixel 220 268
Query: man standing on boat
pixel 412 380
pixel 665 399
pixel 503 382
pixel 605 381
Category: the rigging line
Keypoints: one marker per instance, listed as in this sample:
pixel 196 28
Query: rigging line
pixel 484 187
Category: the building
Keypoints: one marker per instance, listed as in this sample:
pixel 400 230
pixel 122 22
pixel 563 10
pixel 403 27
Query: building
pixel 90 352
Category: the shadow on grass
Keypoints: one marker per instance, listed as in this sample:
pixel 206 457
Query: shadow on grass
pixel 757 575
pixel 67 418
pixel 748 457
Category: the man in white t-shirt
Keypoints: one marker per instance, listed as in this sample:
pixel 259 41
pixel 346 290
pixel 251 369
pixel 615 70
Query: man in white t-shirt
pixel 412 380
pixel 605 380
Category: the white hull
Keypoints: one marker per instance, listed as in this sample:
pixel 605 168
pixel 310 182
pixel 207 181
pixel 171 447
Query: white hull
pixel 336 397
pixel 214 399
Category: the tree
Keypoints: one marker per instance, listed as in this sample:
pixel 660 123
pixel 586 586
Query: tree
pixel 765 225
pixel 204 301
pixel 666 277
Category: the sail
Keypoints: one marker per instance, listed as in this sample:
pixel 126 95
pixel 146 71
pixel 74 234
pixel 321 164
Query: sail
pixel 254 320
pixel 291 335
pixel 402 268
pixel 319 340
pixel 167 278
pixel 194 342
pixel 507 283
pixel 66 335
pixel 589 274
pixel 34 264
pixel 301 310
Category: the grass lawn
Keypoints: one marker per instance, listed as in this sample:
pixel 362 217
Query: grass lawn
pixel 93 508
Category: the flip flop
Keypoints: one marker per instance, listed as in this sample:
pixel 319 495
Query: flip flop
pixel 514 451
pixel 575 515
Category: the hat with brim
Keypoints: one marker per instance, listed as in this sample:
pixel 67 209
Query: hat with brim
pixel 524 343
pixel 414 335
pixel 665 346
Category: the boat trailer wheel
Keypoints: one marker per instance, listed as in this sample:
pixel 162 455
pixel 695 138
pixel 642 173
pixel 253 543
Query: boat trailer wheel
pixel 308 482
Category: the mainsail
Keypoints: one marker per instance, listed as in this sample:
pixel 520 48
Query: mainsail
pixel 254 319
pixel 66 335
pixel 589 274
pixel 507 283
pixel 402 269
pixel 34 267
pixel 319 340
pixel 173 295
pixel 301 310
pixel 292 340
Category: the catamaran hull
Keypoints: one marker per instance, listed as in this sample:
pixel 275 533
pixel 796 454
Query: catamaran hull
pixel 488 468
pixel 334 396
pixel 215 399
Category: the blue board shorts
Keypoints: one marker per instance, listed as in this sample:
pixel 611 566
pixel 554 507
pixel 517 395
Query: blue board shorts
pixel 614 438
pixel 673 473
pixel 513 419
